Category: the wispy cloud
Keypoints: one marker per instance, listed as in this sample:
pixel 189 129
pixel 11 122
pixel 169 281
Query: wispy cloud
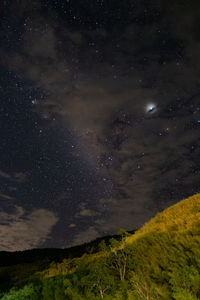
pixel 18 177
pixel 21 231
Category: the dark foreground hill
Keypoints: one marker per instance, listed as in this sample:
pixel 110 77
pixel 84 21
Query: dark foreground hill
pixel 48 255
pixel 159 261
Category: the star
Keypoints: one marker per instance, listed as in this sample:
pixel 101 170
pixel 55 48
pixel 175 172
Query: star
pixel 150 107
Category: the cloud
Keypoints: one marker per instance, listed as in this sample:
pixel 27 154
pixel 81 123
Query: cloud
pixel 72 225
pixel 85 236
pixel 87 213
pixel 18 177
pixel 6 197
pixel 5 175
pixel 20 231
pixel 128 214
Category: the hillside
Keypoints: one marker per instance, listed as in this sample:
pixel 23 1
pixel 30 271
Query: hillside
pixel 51 254
pixel 180 217
pixel 159 261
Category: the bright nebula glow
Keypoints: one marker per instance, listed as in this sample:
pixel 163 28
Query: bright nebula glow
pixel 150 107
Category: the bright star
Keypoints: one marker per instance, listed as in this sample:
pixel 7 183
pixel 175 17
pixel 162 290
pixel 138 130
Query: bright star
pixel 150 107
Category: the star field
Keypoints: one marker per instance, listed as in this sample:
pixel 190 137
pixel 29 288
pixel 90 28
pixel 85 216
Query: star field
pixel 99 117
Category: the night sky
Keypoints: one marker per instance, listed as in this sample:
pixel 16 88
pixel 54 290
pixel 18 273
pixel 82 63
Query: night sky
pixel 99 116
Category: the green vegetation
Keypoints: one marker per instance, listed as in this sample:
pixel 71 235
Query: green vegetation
pixel 159 261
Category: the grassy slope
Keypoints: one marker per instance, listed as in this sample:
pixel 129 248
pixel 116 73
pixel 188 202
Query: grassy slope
pixel 180 217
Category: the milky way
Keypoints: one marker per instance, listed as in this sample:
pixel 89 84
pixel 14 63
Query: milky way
pixel 99 116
